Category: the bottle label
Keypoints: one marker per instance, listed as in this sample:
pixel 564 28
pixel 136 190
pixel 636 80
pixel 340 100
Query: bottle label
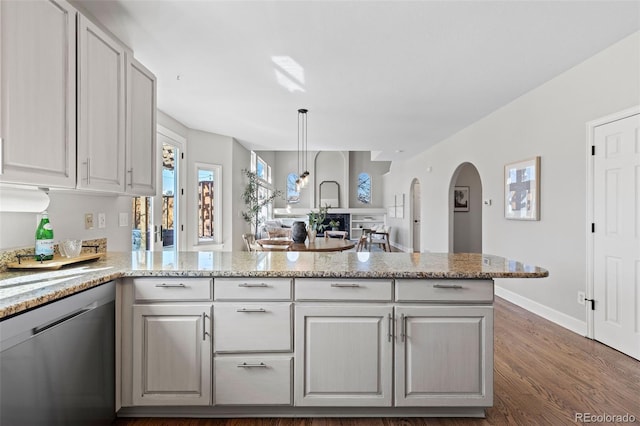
pixel 48 226
pixel 44 247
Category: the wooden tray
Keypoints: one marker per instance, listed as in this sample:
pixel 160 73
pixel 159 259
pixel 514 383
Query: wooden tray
pixel 56 263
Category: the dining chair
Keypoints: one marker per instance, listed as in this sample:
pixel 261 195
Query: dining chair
pixel 329 234
pixel 380 237
pixel 275 245
pixel 362 242
pixel 249 241
pixel 279 232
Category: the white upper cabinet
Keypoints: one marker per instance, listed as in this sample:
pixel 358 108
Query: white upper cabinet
pixel 142 157
pixel 38 93
pixel 101 110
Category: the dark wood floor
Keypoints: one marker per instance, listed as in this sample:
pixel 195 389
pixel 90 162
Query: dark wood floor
pixel 544 375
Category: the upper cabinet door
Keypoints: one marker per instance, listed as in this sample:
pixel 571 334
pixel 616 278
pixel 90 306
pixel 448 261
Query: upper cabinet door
pixel 101 110
pixel 142 158
pixel 38 93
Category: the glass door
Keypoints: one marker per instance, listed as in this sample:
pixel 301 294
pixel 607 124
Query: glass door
pixel 155 219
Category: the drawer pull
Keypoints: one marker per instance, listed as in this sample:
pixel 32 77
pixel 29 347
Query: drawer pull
pixel 245 365
pixel 339 285
pixel 165 285
pixel 251 310
pixel 457 286
pixel 252 285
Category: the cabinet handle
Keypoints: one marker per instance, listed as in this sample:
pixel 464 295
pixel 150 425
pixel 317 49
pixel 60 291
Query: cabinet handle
pixel 245 365
pixel 390 336
pixel 251 310
pixel 130 171
pixel 403 327
pixel 252 285
pixel 88 171
pixel 447 286
pixel 344 285
pixel 165 285
pixel 204 326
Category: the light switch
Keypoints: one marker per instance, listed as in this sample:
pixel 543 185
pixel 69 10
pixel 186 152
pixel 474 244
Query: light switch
pixel 123 219
pixel 102 220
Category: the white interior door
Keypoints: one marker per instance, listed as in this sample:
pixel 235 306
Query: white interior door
pixel 616 245
pixel 415 215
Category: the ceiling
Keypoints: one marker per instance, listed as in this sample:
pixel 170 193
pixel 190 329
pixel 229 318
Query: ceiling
pixel 391 77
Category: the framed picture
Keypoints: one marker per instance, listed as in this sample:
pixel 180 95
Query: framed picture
pixel 461 199
pixel 522 190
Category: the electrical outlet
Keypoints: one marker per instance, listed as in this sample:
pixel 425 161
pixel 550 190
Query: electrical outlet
pixel 88 221
pixel 102 220
pixel 581 297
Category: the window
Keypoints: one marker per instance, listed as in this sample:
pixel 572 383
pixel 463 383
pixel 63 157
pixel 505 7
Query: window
pixel 209 197
pixel 364 188
pixel 293 195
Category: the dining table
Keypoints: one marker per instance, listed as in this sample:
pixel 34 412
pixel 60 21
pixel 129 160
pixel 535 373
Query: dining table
pixel 319 244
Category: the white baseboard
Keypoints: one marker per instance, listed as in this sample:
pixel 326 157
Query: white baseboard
pixel 401 247
pixel 563 320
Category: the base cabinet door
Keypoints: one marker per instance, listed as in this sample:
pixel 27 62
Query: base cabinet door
pixel 343 356
pixel 172 354
pixel 444 356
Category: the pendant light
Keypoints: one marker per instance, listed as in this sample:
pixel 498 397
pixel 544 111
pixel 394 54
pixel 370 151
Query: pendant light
pixel 303 177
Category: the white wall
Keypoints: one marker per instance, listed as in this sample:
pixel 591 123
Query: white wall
pixel 550 122
pixel 66 213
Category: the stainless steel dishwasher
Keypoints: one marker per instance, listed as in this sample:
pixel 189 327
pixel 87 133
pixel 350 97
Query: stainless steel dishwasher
pixel 57 362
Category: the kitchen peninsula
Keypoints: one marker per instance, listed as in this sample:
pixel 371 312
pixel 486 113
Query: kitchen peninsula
pixel 297 334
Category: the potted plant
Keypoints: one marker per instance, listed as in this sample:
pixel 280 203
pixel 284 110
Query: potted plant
pixel 334 224
pixel 253 202
pixel 316 222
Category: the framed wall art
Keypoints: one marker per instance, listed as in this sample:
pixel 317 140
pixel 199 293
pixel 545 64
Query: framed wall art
pixel 522 190
pixel 461 199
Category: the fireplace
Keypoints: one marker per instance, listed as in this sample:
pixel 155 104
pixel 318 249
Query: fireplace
pixel 343 218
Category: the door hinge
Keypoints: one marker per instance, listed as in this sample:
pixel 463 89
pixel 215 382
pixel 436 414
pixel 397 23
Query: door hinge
pixel 182 155
pixel 593 150
pixel 181 191
pixel 593 228
pixel 182 227
pixel 593 303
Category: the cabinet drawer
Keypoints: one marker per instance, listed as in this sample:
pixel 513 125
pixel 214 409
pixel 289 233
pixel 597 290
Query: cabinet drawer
pixel 444 290
pixel 241 380
pixel 252 289
pixel 343 289
pixel 172 288
pixel 252 327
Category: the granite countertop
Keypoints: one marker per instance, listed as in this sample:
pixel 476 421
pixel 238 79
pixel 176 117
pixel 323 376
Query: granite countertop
pixel 20 291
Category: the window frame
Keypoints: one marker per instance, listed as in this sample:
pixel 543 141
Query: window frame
pixel 370 189
pixel 216 170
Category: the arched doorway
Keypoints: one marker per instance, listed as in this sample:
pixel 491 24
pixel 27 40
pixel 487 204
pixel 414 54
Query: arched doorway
pixel 465 210
pixel 415 215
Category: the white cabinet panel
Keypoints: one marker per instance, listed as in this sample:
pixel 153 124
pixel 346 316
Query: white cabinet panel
pixel 38 93
pixel 343 356
pixel 461 291
pixel 164 288
pixel 253 288
pixel 249 380
pixel 142 155
pixel 342 289
pixel 253 327
pixel 171 354
pixel 444 356
pixel 101 110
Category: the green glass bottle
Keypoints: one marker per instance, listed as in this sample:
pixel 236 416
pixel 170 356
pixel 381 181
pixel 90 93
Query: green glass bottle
pixel 44 239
